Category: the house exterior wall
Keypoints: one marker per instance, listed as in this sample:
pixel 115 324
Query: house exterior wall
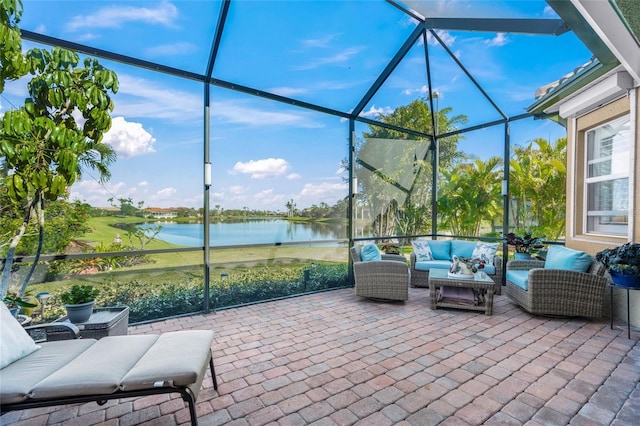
pixel 576 237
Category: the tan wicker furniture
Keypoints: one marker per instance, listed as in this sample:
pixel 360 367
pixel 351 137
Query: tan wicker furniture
pixel 386 279
pixel 481 283
pixel 559 292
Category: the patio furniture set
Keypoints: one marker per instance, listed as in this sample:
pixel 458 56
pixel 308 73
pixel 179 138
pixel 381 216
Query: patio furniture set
pixel 106 363
pixel 569 283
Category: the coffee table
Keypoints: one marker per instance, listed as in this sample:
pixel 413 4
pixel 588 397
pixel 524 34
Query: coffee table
pixel 481 282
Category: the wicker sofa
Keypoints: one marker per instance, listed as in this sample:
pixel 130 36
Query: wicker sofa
pixel 542 290
pixel 442 259
pixel 385 279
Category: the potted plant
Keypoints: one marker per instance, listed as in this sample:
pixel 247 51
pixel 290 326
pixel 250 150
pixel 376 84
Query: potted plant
pixel 525 244
pixel 623 263
pixel 15 302
pixel 79 300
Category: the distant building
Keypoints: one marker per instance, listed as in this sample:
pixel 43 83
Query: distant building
pixel 160 213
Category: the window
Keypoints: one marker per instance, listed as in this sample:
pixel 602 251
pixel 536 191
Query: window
pixel 607 178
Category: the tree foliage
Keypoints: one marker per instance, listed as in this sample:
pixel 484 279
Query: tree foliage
pixel 470 195
pixel 58 131
pixel 538 176
pixel 394 168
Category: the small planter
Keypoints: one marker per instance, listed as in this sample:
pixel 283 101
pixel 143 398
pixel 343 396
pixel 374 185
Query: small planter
pixel 79 313
pixel 624 279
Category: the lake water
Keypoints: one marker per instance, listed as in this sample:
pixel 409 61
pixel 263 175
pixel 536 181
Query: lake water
pixel 267 231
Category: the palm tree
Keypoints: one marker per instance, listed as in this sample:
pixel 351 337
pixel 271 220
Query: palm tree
pixel 470 195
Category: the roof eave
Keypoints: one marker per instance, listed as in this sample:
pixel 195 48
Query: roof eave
pixel 571 86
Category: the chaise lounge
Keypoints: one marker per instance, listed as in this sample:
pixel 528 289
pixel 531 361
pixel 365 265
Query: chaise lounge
pixel 85 370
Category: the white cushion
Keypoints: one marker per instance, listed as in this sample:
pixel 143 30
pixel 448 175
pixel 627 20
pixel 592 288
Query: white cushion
pixel 15 342
pixel 485 251
pixel 422 250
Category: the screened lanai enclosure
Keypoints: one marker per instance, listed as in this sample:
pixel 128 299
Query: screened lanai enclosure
pixel 257 141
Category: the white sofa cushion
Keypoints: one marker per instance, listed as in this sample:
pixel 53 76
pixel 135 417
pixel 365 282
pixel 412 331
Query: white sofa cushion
pixel 15 342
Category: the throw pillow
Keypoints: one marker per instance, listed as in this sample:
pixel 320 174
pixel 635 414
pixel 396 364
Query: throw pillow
pixel 462 248
pixel 370 252
pixel 559 257
pixel 485 251
pixel 441 249
pixel 422 250
pixel 15 342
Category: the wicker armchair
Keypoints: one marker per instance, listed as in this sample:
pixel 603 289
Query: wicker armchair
pixel 558 292
pixel 386 279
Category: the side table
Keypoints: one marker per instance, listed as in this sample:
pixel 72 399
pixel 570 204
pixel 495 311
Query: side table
pixel 481 282
pixel 110 321
pixel 623 287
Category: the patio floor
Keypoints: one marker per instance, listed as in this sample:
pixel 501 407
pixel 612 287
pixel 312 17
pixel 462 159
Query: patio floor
pixel 335 359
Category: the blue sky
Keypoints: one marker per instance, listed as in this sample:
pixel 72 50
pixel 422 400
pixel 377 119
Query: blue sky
pixel 323 52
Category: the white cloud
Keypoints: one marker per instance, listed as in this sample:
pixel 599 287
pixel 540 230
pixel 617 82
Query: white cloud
pixel 114 16
pixel 260 169
pixel 268 197
pixel 165 193
pixel 233 112
pixel 499 40
pixel 292 176
pixel 139 97
pixel 96 194
pixel 375 112
pixel 324 191
pixel 143 183
pixel 549 12
pixel 338 58
pixel 129 139
pixel 237 189
pixel 175 49
pixel 421 90
pixel 288 91
pixel 319 42
pixel 445 36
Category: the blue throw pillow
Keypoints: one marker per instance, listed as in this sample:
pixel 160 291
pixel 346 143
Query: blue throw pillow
pixel 559 257
pixel 440 249
pixel 370 252
pixel 462 248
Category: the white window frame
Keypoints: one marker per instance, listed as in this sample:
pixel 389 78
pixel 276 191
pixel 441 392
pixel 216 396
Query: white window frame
pixel 615 228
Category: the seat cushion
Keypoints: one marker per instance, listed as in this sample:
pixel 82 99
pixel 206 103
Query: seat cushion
pixel 559 257
pixel 19 379
pixel 519 277
pixel 176 359
pixel 433 264
pixel 98 370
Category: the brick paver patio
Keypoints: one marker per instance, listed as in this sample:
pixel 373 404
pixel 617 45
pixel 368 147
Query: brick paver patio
pixel 335 359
